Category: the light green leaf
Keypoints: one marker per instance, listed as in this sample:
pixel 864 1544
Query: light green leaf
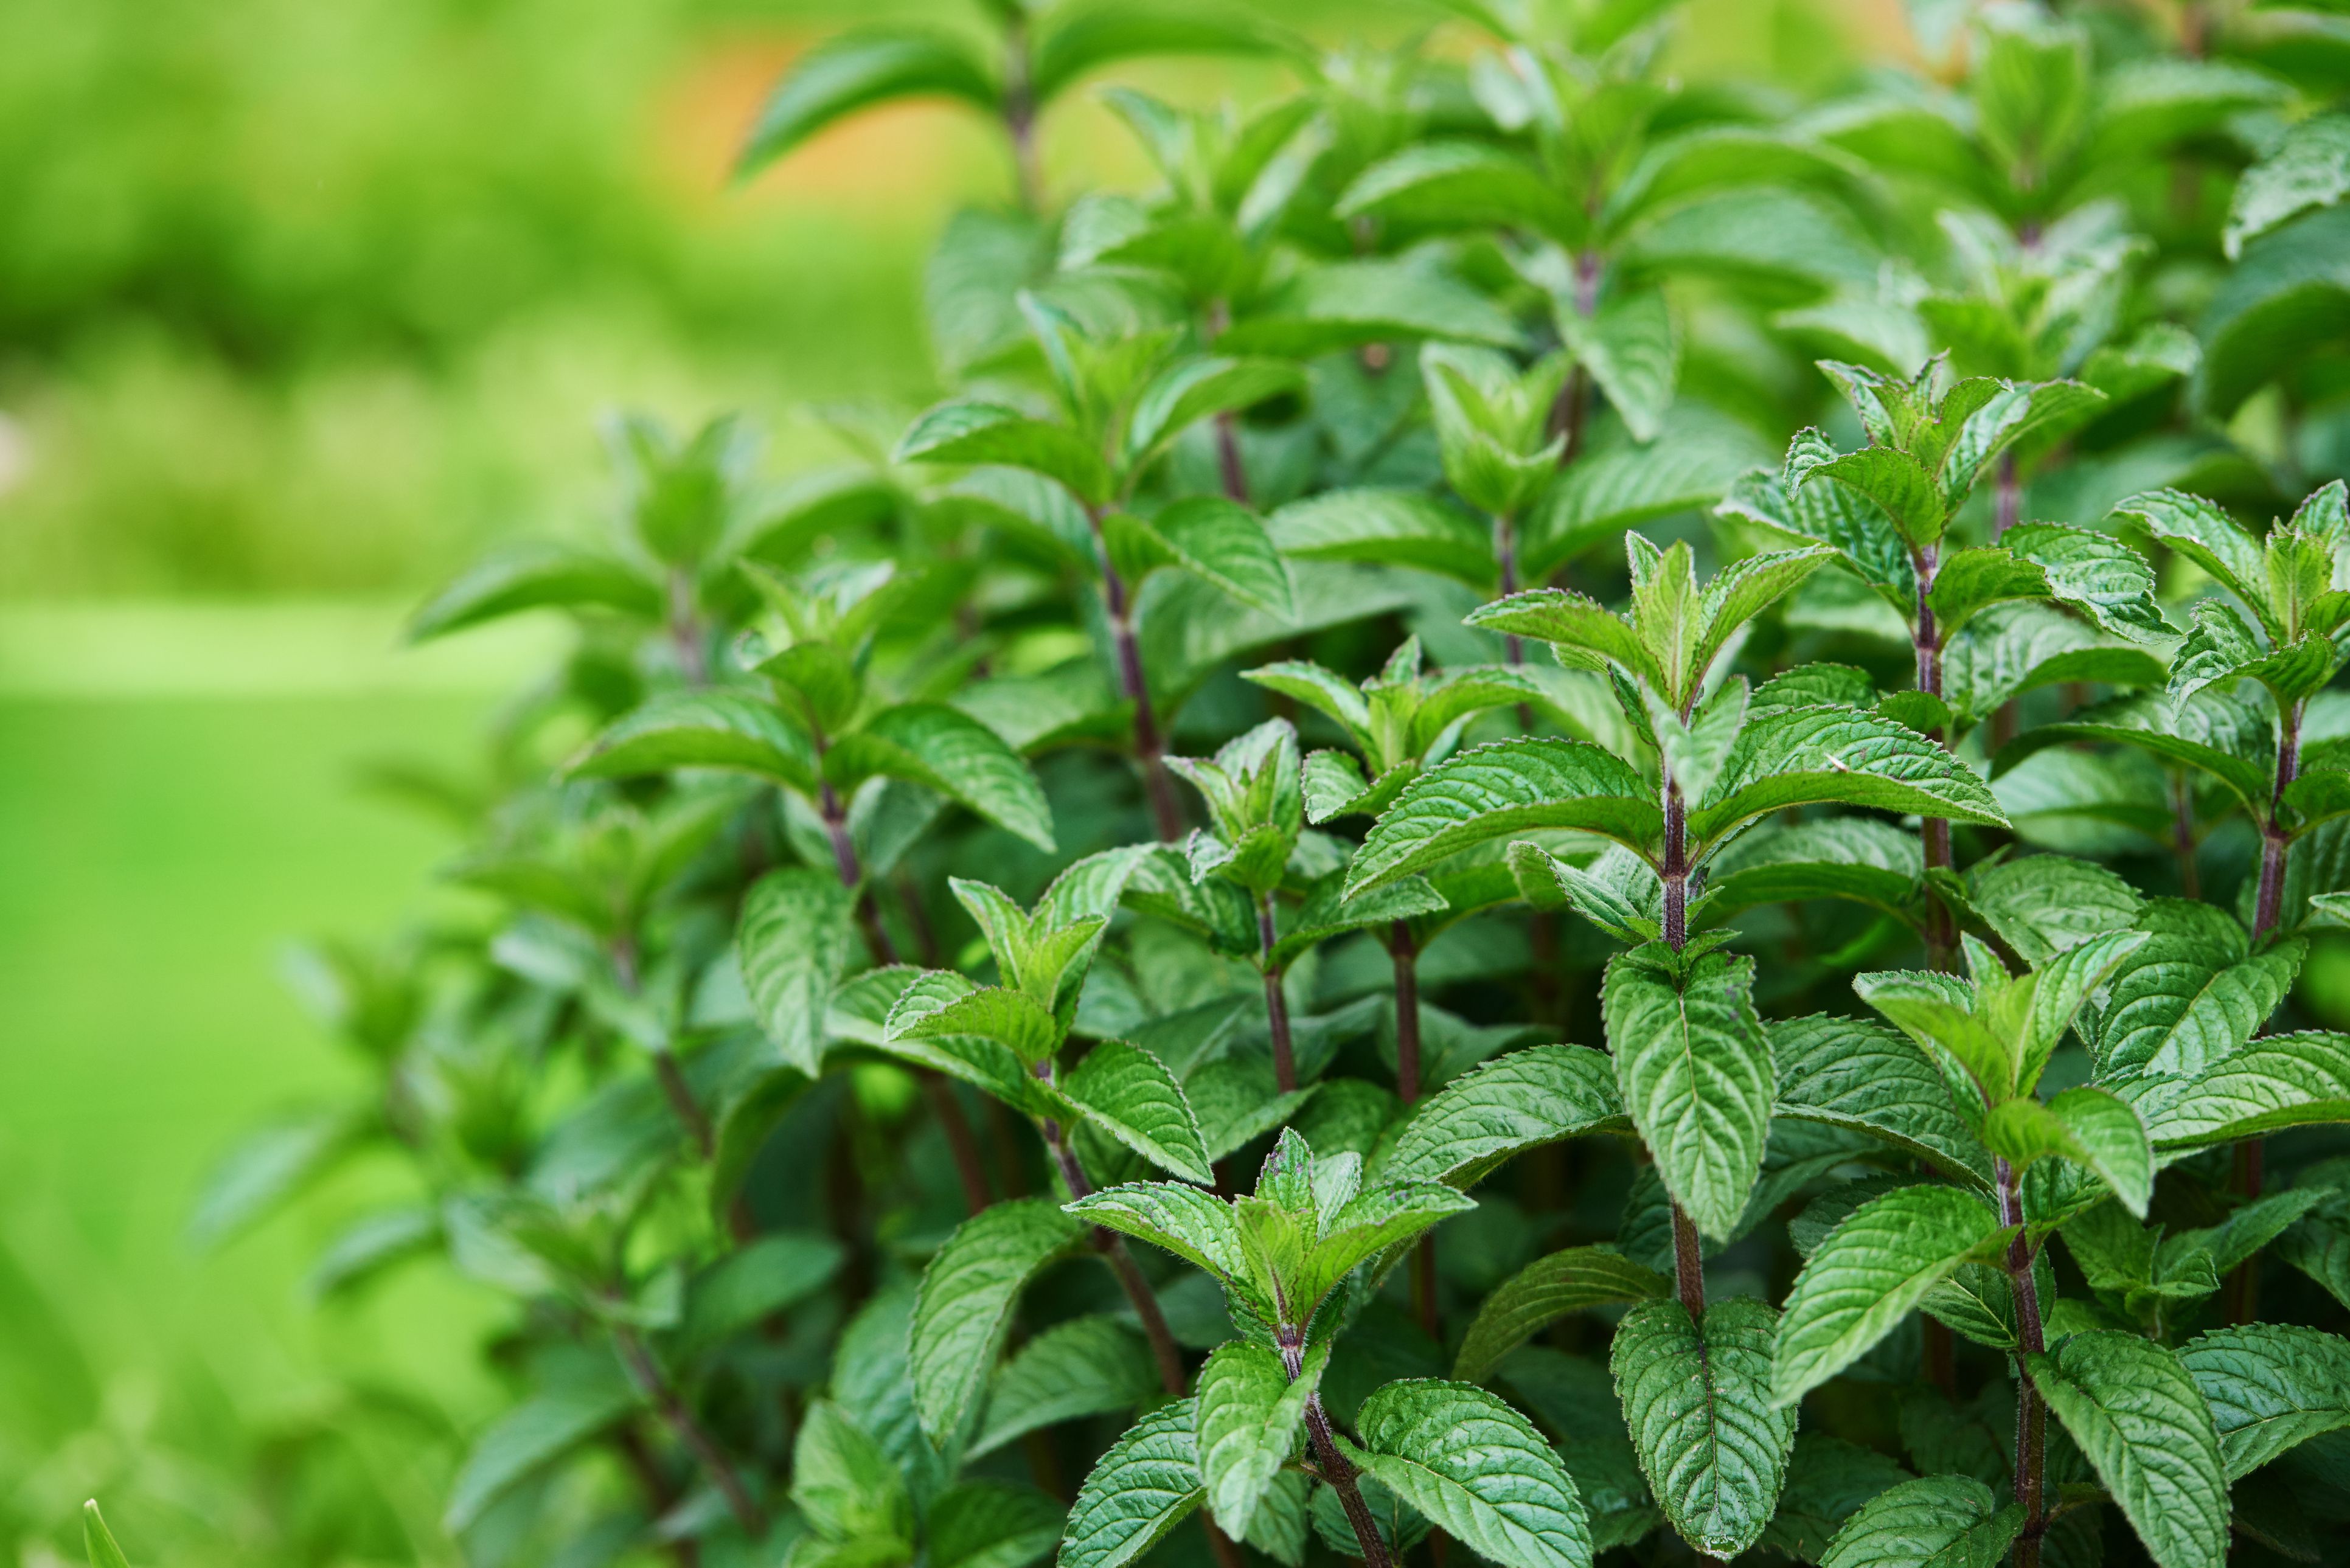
pixel 1804 756
pixel 1861 858
pixel 1081 38
pixel 2087 1125
pixel 857 70
pixel 2309 168
pixel 268 1167
pixel 1139 1491
pixel 964 430
pixel 1938 1012
pixel 98 1540
pixel 2271 1385
pixel 1582 628
pixel 2208 536
pixel 1521 1101
pixel 1903 489
pixel 1391 527
pixel 534 577
pixel 2139 1418
pixel 1696 1075
pixel 1936 1521
pixel 1699 1409
pixel 2280 1081
pixel 942 1004
pixel 1500 790
pixel 1251 1418
pixel 1868 1274
pixel 1096 1365
pixel 966 1300
pixel 730 730
pixel 591 1396
pixel 2213 732
pixel 1477 1469
pixel 946 750
pixel 1186 1221
pixel 1192 390
pixel 2289 296
pixel 2042 905
pixel 1462 185
pixel 1853 1073
pixel 1629 348
pixel 794 944
pixel 1129 1094
pixel 1541 1293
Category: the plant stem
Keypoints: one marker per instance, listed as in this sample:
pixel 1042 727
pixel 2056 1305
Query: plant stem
pixel 2244 1284
pixel 660 1496
pixel 1676 871
pixel 680 1095
pixel 1505 561
pixel 2182 834
pixel 1688 1266
pixel 1020 118
pixel 2011 496
pixel 646 1373
pixel 2031 1414
pixel 1404 953
pixel 1276 1005
pixel 1164 1351
pixel 1338 1473
pixel 1149 751
pixel 685 631
pixel 1572 410
pixel 1941 930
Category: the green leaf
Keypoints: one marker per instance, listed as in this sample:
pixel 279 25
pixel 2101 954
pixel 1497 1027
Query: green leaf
pixel 1694 462
pixel 1856 857
pixel 778 1271
pixel 1541 1293
pixel 2143 1424
pixel 1744 589
pixel 2095 572
pixel 1828 1481
pixel 1853 1073
pixel 946 750
pixel 1805 757
pixel 1138 1491
pixel 1192 390
pixel 589 1396
pixel 966 432
pixel 2309 168
pixel 2270 1387
pixel 1868 1274
pixel 2280 1081
pixel 793 943
pixel 1500 790
pixel 98 1540
pixel 1477 1469
pixel 2288 296
pixel 369 1245
pixel 1902 489
pixel 1696 1075
pixel 534 577
pixel 966 1300
pixel 1129 1094
pixel 1462 185
pixel 1938 1012
pixel 843 1481
pixel 1096 1365
pixel 267 1168
pixel 1186 1221
pixel 1522 1101
pixel 854 71
pixel 942 1004
pixel 2208 536
pixel 1936 1521
pixel 991 1524
pixel 1341 305
pixel 2213 731
pixel 1212 539
pixel 1250 1419
pixel 1085 37
pixel 708 729
pixel 1631 349
pixel 1698 1405
pixel 2042 905
pixel 1391 527
pixel 2087 1125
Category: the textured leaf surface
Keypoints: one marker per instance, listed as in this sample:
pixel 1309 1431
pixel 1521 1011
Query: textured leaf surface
pixel 1807 756
pixel 1139 1491
pixel 1397 527
pixel 794 944
pixel 1523 1100
pixel 966 1300
pixel 991 1524
pixel 1477 1470
pixel 1087 1367
pixel 2281 1081
pixel 702 729
pixel 1129 1094
pixel 1500 790
pixel 2271 1385
pixel 1712 1445
pixel 1868 1273
pixel 2143 1424
pixel 1855 1072
pixel 1544 1292
pixel 964 431
pixel 1696 1078
pixel 1936 1521
pixel 2192 995
pixel 1251 1418
pixel 945 749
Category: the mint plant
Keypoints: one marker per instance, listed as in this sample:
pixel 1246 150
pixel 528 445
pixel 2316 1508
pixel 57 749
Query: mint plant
pixel 1785 1045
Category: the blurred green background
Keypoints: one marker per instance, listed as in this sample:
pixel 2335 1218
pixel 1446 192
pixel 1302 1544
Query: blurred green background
pixel 300 306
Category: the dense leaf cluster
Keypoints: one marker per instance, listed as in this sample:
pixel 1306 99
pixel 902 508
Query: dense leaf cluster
pixel 1562 817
